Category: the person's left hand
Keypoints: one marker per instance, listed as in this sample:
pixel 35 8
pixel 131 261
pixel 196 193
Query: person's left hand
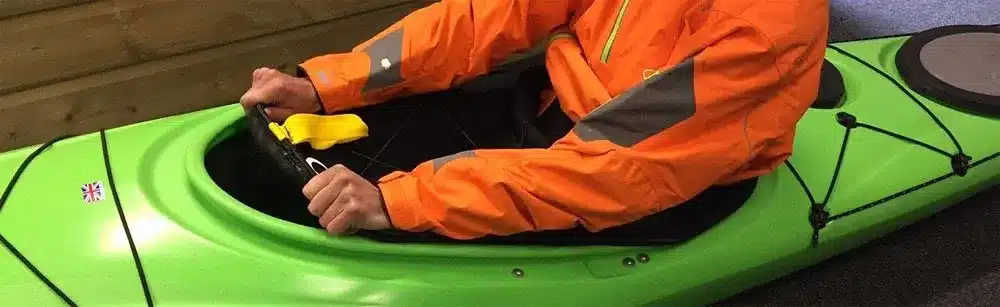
pixel 345 202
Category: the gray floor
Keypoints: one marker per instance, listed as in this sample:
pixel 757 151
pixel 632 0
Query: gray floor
pixel 856 19
pixel 950 259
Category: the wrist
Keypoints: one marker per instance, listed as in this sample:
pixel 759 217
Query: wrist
pixel 319 108
pixel 317 102
pixel 385 207
pixel 403 208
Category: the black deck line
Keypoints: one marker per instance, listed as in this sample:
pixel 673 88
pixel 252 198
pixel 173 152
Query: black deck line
pixel 34 270
pixel 24 165
pixel 906 91
pixel 121 216
pixel 825 217
pixel 910 190
pixel 10 246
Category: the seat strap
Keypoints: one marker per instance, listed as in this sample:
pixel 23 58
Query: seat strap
pixel 321 131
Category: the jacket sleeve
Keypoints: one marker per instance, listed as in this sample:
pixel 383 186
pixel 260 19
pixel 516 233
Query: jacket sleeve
pixel 657 145
pixel 433 48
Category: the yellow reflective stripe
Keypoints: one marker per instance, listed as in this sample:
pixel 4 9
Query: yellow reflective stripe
pixel 320 131
pixel 559 35
pixel 614 32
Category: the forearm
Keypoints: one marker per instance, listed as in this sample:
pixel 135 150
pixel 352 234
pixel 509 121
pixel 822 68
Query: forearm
pixel 431 49
pixel 510 191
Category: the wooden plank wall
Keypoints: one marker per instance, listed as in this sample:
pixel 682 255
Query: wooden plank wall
pixel 76 66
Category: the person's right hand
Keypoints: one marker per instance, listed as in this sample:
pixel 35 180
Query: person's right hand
pixel 284 94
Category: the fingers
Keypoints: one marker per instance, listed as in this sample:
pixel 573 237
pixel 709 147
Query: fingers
pixel 340 198
pixel 327 197
pixel 250 98
pixel 333 211
pixel 286 93
pixel 266 86
pixel 341 224
pixel 278 114
pixel 320 181
pixel 256 75
pixel 267 90
pixel 265 73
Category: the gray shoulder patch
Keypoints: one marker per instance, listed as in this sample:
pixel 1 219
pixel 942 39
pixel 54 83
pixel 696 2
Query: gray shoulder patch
pixel 439 162
pixel 643 111
pixel 385 55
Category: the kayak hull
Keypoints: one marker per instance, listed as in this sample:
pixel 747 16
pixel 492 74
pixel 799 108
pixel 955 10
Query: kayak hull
pixel 198 244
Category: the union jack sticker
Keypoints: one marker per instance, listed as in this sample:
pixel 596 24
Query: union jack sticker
pixel 93 192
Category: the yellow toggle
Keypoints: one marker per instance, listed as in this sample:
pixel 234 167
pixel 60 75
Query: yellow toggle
pixel 321 131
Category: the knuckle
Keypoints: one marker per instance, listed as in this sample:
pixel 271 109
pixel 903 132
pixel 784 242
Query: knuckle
pixel 349 190
pixel 284 85
pixel 314 210
pixel 309 191
pixel 248 97
pixel 353 208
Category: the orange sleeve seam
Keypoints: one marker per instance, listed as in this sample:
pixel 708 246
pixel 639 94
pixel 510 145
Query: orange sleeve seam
pixel 758 31
pixel 400 212
pixel 652 188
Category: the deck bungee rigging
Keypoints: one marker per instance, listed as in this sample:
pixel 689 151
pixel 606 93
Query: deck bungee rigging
pixel 121 214
pixel 959 162
pixel 9 246
pixel 818 214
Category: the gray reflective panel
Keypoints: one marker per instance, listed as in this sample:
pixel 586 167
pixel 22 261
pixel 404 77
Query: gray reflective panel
pixel 643 111
pixel 439 162
pixel 385 55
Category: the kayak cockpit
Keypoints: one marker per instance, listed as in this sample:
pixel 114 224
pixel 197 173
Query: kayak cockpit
pixel 244 173
pixel 266 174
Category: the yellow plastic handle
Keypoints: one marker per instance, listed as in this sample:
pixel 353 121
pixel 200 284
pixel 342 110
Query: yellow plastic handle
pixel 321 131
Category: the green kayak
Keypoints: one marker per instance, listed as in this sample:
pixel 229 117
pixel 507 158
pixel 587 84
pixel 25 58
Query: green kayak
pixel 146 214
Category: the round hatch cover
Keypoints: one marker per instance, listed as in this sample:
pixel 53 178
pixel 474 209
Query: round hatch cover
pixel 957 65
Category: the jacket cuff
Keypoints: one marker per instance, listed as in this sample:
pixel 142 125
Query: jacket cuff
pixel 337 78
pixel 301 73
pixel 402 204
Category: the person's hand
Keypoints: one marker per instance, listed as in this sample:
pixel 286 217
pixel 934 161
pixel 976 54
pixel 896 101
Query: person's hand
pixel 345 202
pixel 284 94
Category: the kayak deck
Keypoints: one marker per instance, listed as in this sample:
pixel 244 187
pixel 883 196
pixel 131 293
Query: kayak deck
pixel 198 243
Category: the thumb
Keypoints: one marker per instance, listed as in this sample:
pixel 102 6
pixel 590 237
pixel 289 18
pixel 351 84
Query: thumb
pixel 263 92
pixel 252 97
pixel 278 114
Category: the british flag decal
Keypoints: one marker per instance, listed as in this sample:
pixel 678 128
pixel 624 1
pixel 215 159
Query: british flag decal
pixel 93 192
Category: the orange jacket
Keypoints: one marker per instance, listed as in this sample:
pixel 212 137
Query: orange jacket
pixel 668 97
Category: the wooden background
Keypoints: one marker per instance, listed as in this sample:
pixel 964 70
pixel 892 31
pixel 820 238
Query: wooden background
pixel 76 66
